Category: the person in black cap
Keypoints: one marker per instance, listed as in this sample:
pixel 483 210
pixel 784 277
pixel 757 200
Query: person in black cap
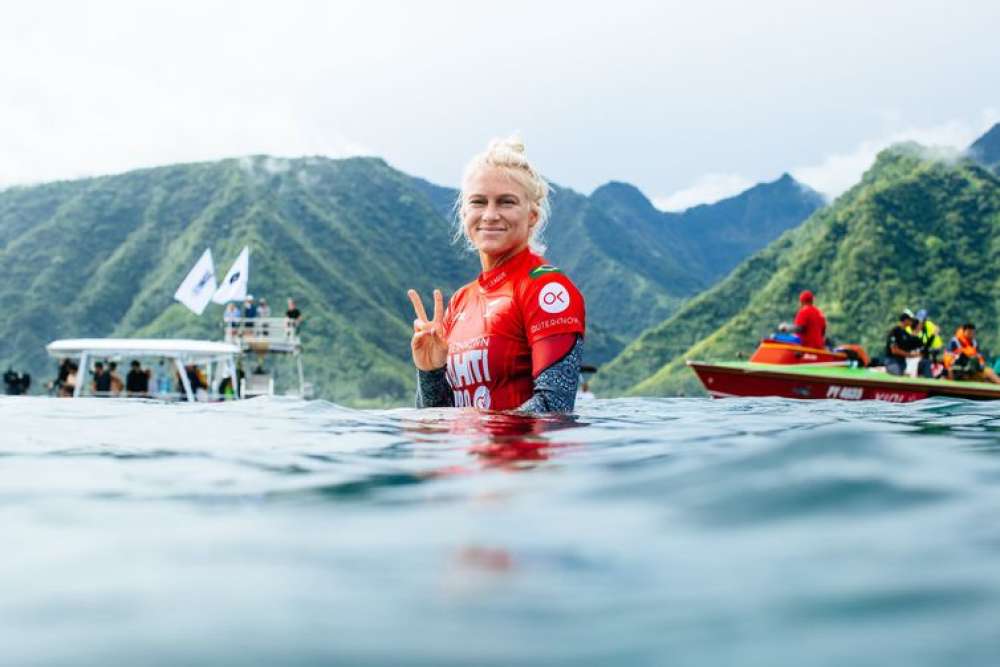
pixel 900 344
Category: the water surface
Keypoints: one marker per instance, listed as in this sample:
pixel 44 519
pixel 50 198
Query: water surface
pixel 642 532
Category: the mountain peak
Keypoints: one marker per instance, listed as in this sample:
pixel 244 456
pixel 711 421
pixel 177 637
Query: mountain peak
pixel 784 182
pixel 986 149
pixel 617 193
pixel 785 186
pixel 619 189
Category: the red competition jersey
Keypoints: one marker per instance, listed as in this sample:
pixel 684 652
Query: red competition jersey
pixel 813 324
pixel 492 322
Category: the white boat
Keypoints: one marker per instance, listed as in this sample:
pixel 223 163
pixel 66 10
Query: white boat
pixel 218 358
pixel 267 343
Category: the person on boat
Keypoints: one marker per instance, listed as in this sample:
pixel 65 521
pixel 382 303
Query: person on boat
pixel 226 390
pixel 293 317
pixel 163 383
pixel 902 344
pixel 931 343
pixel 513 338
pixel 117 384
pixel 196 378
pixel 930 335
pixel 16 383
pixel 263 312
pixel 57 384
pixel 249 316
pixel 68 386
pixel 810 323
pixel 102 380
pixel 231 318
pixel 137 380
pixel 962 360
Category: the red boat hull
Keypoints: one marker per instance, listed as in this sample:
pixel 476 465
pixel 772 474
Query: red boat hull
pixel 724 383
pixel 728 379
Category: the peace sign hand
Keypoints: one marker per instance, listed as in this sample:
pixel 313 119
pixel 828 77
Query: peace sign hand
pixel 430 349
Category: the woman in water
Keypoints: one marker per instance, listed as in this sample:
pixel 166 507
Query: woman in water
pixel 512 339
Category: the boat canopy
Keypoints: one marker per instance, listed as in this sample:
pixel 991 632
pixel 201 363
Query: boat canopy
pixel 182 351
pixel 192 351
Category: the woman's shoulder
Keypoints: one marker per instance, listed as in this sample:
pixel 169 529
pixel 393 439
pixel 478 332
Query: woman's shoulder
pixel 545 289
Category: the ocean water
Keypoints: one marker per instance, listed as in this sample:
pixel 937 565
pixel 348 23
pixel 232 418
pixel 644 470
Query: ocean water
pixel 641 532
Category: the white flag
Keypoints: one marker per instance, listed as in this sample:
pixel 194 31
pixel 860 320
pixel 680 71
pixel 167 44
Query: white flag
pixel 199 285
pixel 234 285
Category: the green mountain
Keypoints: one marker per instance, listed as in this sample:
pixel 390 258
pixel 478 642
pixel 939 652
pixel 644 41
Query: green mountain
pixel 918 231
pixel 103 256
pixel 637 264
pixel 986 149
pixel 346 238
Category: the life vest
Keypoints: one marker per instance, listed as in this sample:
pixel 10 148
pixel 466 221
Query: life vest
pixel 930 337
pixel 960 346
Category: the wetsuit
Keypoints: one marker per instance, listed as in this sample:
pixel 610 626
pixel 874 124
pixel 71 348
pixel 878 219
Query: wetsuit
pixel 500 330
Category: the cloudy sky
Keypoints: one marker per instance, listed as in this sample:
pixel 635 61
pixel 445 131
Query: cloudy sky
pixel 689 101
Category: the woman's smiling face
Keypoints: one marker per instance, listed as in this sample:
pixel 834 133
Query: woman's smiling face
pixel 496 214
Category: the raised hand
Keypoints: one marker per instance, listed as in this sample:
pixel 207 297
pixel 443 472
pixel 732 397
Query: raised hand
pixel 430 349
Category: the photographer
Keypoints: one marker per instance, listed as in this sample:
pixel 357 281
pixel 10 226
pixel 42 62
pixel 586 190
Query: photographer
pixel 16 384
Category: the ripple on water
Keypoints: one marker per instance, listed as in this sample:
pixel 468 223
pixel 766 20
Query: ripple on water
pixel 642 531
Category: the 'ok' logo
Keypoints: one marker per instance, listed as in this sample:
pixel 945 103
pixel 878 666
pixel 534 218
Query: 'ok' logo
pixel 554 298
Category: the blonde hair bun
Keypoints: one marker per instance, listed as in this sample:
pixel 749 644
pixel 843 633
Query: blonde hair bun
pixel 513 144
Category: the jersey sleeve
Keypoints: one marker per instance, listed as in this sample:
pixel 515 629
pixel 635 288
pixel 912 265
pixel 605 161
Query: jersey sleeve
pixel 551 304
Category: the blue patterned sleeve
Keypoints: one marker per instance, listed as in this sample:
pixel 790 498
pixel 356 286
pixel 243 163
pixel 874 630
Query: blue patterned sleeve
pixel 555 387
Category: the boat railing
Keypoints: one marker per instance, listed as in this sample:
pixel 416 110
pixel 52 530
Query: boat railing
pixel 271 332
pixel 172 395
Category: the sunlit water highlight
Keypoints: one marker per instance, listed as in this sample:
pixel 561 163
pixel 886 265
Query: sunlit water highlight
pixel 644 532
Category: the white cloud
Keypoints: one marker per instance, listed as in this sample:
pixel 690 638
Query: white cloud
pixel 837 172
pixel 103 87
pixel 708 189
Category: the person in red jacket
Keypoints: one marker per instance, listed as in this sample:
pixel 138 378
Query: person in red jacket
pixel 513 338
pixel 810 323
